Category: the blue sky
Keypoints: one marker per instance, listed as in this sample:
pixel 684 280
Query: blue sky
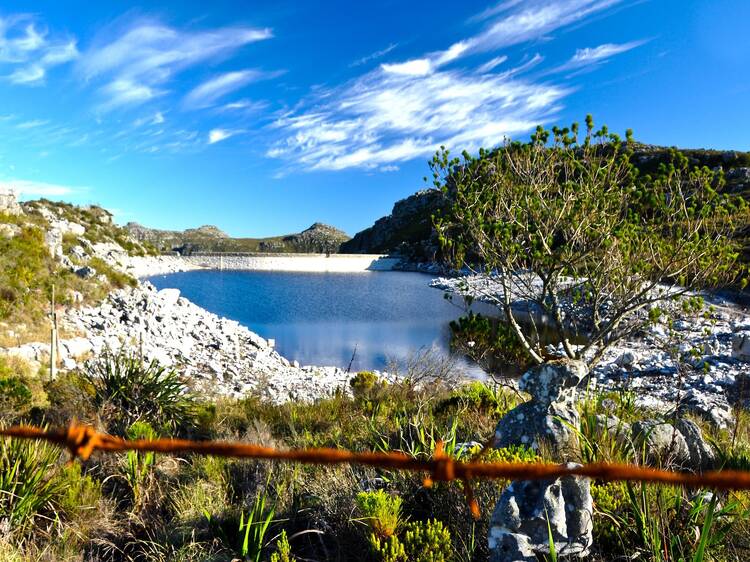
pixel 263 117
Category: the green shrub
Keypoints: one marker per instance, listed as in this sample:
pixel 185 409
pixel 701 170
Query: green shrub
pixel 28 490
pixel 127 390
pixel 422 541
pixel 381 512
pixel 138 464
pixel 283 550
pixel 15 396
pixel 367 387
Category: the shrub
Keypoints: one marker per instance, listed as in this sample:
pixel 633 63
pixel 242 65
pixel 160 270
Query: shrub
pixel 28 490
pixel 15 396
pixel 138 464
pixel 367 387
pixel 428 541
pixel 127 390
pixel 381 511
pixel 567 225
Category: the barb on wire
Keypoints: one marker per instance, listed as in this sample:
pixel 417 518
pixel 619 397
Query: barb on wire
pixel 82 440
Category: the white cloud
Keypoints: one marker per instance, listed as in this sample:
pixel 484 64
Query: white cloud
pixel 375 55
pixel 207 93
pixel 30 51
pixel 514 22
pixel 148 54
pixel 31 188
pixel 592 56
pixel 32 124
pixel 245 105
pixel 218 135
pixel 492 63
pixel 405 110
pixel 383 118
pixel 417 67
pixel 125 91
pixel 589 55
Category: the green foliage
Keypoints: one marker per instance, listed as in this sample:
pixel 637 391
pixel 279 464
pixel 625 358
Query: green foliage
pixel 255 528
pixel 421 541
pixel 15 396
pixel 367 387
pixel 561 208
pixel 117 279
pixel 28 492
pixel 138 464
pixel 477 395
pixel 488 341
pixel 79 492
pixel 283 551
pixel 381 512
pixel 128 390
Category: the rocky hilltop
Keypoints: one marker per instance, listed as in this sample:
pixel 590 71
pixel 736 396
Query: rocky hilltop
pixel 408 229
pixel 319 238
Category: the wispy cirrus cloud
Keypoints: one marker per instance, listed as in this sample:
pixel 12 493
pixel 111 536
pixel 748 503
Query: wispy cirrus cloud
pixel 140 61
pixel 374 56
pixel 384 118
pixel 209 92
pixel 29 51
pixel 406 109
pixel 596 55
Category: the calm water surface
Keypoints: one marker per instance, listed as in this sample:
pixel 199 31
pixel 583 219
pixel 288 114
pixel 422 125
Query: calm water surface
pixel 320 318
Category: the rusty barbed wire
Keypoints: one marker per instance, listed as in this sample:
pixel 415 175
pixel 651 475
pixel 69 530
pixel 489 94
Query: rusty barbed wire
pixel 82 440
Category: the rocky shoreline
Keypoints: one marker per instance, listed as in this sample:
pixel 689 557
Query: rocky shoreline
pixel 706 376
pixel 218 356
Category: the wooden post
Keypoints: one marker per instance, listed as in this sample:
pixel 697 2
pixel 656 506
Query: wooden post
pixel 53 339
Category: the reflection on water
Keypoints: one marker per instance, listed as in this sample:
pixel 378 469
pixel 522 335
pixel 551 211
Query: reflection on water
pixel 320 318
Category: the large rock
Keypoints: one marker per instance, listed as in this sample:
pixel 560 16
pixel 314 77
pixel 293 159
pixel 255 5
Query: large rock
pixel 529 510
pixel 680 445
pixel 519 527
pixel 408 229
pixel 551 414
pixel 662 442
pixel 741 346
pixel 9 202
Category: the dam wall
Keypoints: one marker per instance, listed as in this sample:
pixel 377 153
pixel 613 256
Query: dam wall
pixel 342 263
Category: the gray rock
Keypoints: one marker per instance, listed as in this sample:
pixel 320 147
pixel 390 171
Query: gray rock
pixel 741 346
pixel 702 454
pixel 9 230
pixel 519 525
pixel 551 415
pixel 85 272
pixel 661 442
pixel 528 510
pixel 9 202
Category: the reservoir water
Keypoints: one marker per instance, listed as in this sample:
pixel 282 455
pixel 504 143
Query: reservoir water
pixel 321 318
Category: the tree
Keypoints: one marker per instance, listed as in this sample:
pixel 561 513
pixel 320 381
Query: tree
pixel 571 234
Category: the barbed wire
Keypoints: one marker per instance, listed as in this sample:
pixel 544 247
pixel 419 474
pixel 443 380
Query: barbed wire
pixel 83 440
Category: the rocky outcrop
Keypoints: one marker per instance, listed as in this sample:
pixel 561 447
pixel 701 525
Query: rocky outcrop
pixel 408 230
pixel 529 510
pixel 9 202
pixel 551 412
